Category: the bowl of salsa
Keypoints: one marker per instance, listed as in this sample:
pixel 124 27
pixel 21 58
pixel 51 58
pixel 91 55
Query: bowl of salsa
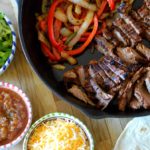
pixel 15 115
pixel 58 131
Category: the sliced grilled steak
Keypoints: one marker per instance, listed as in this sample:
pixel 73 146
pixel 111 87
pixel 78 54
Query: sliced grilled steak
pixel 117 62
pixel 143 23
pixel 71 78
pixel 142 94
pixel 86 85
pixel 80 70
pixel 143 50
pixel 144 26
pixel 146 20
pixel 98 82
pixel 108 84
pixel 80 94
pixel 146 32
pixel 121 37
pixel 125 6
pixel 129 55
pixel 104 98
pixel 94 73
pixel 109 36
pixel 147 79
pixel 125 93
pixel 135 104
pixel 147 2
pixel 135 15
pixel 104 46
pixel 128 30
pixel 117 71
pixel 109 73
pixel 144 13
pixel 126 97
pixel 131 22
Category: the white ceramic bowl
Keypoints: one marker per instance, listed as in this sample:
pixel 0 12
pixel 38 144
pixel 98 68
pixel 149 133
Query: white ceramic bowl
pixel 56 115
pixel 13 49
pixel 29 110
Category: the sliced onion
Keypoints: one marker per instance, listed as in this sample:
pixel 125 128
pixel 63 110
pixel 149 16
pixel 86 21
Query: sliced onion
pixel 43 39
pixel 78 10
pixel 98 3
pixel 83 28
pixel 70 59
pixel 65 32
pixel 85 4
pixel 104 16
pixel 71 18
pixel 76 28
pixel 60 15
pixel 59 67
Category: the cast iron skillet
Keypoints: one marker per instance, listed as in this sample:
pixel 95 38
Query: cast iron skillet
pixel 52 78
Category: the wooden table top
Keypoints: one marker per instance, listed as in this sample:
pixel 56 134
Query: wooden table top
pixel 105 131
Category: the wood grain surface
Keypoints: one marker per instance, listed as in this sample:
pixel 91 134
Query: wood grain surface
pixel 105 131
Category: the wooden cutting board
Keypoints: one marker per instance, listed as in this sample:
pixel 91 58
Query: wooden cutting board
pixel 105 131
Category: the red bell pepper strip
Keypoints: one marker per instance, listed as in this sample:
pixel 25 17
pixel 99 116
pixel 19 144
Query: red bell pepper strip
pixel 83 39
pixel 46 51
pixel 57 28
pixel 43 25
pixel 86 34
pixel 87 42
pixel 83 14
pixel 111 4
pixel 102 8
pixel 64 39
pixel 56 53
pixel 51 26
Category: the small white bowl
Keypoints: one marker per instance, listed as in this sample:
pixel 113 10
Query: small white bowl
pixel 29 110
pixel 13 49
pixel 57 115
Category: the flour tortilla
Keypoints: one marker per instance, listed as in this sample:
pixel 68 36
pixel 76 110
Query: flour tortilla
pixel 136 135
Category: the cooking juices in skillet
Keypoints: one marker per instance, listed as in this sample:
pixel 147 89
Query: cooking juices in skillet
pixel 13 115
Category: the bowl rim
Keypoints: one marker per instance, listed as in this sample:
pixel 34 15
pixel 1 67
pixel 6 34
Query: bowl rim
pixel 60 115
pixel 13 48
pixel 29 109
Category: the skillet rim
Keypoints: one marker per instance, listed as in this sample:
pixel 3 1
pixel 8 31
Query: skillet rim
pixel 88 113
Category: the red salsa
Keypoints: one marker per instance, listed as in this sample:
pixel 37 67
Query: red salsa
pixel 13 115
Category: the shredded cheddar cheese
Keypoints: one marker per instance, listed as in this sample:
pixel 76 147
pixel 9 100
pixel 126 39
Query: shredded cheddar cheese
pixel 58 135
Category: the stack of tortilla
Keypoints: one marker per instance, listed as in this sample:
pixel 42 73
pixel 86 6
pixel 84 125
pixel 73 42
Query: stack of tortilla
pixel 136 135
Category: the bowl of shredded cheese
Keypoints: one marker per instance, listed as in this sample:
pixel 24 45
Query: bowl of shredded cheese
pixel 58 131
